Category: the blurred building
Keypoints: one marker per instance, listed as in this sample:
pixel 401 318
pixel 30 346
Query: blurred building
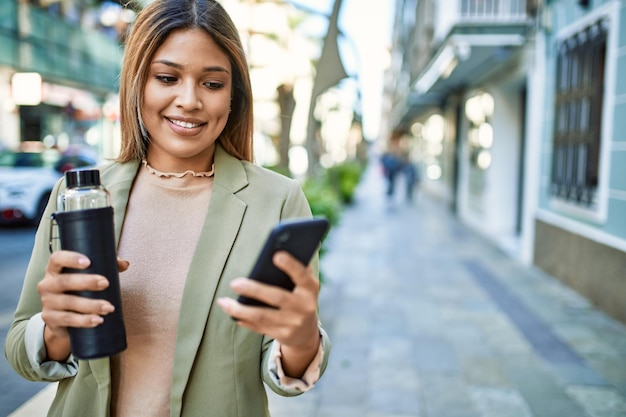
pixel 60 61
pixel 512 110
pixel 59 67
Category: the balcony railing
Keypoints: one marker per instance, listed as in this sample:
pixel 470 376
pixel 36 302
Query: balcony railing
pixel 481 15
pixel 485 10
pixel 33 40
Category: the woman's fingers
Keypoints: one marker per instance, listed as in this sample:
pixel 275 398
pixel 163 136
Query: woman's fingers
pixel 122 265
pixel 76 303
pixel 66 259
pixel 62 304
pixel 61 283
pixel 261 320
pixel 294 318
pixel 70 310
pixel 302 299
pixel 269 294
pixel 78 316
pixel 59 277
pixel 300 274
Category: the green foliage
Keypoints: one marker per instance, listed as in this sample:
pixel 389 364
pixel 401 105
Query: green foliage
pixel 329 192
pixel 325 202
pixel 323 199
pixel 333 188
pixel 345 178
pixel 280 170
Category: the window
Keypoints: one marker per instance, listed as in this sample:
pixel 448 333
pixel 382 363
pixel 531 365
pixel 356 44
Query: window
pixel 578 116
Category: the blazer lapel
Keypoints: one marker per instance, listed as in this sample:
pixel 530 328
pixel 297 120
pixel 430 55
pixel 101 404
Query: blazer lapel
pixel 119 181
pixel 224 218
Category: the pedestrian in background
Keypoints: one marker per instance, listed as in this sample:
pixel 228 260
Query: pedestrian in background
pixel 411 177
pixel 191 212
pixel 391 168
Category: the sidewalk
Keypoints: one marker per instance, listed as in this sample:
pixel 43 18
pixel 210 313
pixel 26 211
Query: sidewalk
pixel 429 320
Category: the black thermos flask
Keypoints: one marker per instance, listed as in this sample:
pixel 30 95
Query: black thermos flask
pixel 85 225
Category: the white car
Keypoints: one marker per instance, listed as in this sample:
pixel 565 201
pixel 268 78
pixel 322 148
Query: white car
pixel 27 178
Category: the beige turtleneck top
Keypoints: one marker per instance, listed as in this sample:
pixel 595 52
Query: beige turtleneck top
pixel 163 221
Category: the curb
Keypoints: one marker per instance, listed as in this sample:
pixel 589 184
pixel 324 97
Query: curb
pixel 38 405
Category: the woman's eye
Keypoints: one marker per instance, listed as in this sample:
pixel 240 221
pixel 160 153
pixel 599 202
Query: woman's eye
pixel 214 85
pixel 166 79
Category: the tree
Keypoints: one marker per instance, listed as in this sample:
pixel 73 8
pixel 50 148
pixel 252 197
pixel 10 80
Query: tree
pixel 287 105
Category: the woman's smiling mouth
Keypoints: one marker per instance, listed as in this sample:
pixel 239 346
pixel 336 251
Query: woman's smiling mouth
pixel 183 124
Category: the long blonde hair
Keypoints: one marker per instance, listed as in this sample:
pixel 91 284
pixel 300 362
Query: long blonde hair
pixel 152 27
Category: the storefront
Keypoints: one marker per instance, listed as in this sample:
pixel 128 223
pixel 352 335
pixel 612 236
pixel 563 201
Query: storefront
pixel 58 116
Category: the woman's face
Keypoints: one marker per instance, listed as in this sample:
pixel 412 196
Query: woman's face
pixel 186 101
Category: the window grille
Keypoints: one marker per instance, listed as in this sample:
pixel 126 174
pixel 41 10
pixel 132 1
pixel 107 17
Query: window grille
pixel 578 116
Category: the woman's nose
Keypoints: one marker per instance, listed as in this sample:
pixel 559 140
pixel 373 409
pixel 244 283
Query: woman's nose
pixel 188 97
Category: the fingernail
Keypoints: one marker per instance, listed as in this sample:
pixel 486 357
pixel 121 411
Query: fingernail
pixel 107 308
pixel 102 283
pixel 237 284
pixel 83 261
pixel 97 320
pixel 223 302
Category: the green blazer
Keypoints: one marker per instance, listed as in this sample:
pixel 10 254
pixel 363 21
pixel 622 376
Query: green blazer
pixel 219 368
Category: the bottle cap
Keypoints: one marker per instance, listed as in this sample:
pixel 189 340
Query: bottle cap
pixel 82 178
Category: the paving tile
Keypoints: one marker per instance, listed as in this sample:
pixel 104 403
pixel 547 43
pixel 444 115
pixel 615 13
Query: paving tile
pixel 599 401
pixel 484 372
pixel 445 394
pixel 542 392
pixel 396 400
pixel 435 354
pixel 494 402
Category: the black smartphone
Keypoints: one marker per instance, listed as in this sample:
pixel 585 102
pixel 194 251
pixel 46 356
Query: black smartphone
pixel 300 237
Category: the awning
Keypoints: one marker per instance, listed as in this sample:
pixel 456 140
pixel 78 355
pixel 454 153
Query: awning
pixel 469 57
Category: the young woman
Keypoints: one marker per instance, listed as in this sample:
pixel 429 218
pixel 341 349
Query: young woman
pixel 191 212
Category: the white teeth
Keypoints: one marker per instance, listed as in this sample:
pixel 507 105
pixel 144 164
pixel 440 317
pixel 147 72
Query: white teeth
pixel 186 125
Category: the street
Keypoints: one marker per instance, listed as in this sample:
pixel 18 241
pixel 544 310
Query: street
pixel 429 319
pixel 15 247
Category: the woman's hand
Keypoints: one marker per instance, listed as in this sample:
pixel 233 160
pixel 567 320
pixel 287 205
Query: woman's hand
pixel 294 321
pixel 61 310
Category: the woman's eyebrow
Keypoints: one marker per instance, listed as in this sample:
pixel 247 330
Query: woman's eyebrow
pixel 214 68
